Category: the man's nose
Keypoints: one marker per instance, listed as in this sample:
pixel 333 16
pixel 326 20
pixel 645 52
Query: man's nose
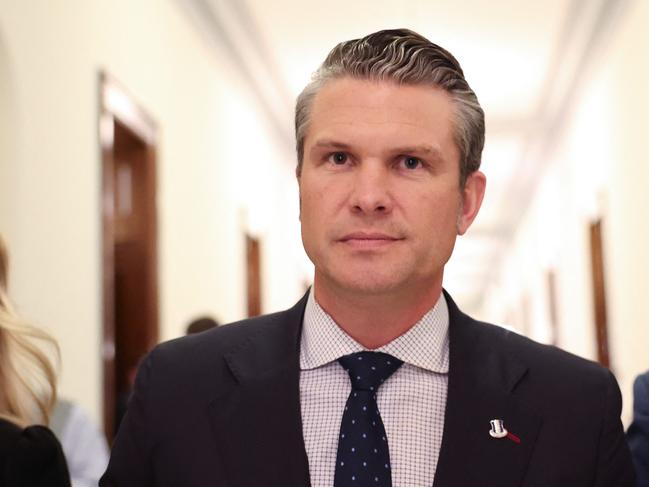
pixel 371 193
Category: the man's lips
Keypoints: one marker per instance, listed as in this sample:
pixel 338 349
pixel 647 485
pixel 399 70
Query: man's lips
pixel 368 236
pixel 368 240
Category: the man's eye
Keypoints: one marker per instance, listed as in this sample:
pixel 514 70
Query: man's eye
pixel 411 162
pixel 338 158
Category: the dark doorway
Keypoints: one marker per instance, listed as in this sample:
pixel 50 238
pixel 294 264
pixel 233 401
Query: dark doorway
pixel 130 287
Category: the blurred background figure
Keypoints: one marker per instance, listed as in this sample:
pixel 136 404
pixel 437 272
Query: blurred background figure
pixel 201 324
pixel 84 445
pixel 638 434
pixel 30 454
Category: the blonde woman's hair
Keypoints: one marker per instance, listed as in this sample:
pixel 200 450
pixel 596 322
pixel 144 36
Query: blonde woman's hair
pixel 27 374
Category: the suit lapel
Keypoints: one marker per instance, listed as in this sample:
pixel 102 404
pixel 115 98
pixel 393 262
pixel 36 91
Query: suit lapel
pixel 258 424
pixel 482 383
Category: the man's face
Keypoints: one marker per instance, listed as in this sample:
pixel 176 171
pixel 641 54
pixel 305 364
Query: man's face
pixel 380 199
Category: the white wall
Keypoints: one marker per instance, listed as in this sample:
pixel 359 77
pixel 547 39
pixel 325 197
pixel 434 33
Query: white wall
pixel 598 169
pixel 8 130
pixel 627 236
pixel 214 147
pixel 221 171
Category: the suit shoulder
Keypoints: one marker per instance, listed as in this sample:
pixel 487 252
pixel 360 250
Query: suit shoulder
pixel 553 361
pixel 641 384
pixel 224 338
pixel 549 364
pixel 547 376
pixel 198 365
pixel 641 392
pixel 203 354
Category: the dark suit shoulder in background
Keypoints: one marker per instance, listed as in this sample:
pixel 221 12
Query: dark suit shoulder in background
pixel 31 457
pixel 638 434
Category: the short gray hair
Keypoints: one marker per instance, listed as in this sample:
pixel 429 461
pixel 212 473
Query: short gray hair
pixel 404 57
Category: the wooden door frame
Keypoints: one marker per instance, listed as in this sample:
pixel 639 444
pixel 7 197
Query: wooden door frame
pixel 599 292
pixel 253 275
pixel 553 305
pixel 116 104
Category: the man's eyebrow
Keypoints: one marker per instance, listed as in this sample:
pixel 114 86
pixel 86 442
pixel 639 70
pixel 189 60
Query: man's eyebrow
pixel 425 149
pixel 329 143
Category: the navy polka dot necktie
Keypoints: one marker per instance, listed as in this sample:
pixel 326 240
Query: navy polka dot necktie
pixel 363 458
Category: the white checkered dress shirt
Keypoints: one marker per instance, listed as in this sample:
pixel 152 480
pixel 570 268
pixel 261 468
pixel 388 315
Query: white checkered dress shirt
pixel 412 401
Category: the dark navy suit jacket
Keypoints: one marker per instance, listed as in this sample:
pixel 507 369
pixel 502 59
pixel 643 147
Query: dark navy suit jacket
pixel 638 434
pixel 222 408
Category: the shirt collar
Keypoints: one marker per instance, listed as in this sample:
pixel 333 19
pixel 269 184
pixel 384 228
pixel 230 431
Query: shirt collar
pixel 425 345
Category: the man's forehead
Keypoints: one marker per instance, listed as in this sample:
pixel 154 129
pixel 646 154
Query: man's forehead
pixel 417 115
pixel 380 101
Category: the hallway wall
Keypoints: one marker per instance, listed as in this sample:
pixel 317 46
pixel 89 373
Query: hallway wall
pixel 213 141
pixel 598 169
pixel 627 238
pixel 222 171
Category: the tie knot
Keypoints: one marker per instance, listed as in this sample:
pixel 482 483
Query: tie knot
pixel 368 370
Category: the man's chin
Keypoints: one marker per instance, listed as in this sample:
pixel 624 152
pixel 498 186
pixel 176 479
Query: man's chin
pixel 374 284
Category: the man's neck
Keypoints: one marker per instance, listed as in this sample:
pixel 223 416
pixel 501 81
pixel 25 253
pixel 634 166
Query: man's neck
pixel 374 320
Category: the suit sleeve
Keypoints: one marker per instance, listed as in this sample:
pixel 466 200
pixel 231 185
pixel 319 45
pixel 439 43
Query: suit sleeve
pixel 130 460
pixel 614 466
pixel 638 434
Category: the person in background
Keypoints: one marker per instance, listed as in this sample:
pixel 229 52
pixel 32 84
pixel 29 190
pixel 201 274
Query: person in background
pixel 84 445
pixel 638 432
pixel 201 324
pixel 30 454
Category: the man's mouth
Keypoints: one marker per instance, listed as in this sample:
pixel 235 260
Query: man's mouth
pixel 369 240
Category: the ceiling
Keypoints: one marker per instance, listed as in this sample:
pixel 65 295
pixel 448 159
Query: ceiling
pixel 524 59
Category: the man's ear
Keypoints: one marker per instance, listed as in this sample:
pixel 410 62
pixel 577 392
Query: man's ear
pixel 299 194
pixel 472 196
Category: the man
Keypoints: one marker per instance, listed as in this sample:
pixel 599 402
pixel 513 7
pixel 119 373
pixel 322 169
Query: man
pixel 375 377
